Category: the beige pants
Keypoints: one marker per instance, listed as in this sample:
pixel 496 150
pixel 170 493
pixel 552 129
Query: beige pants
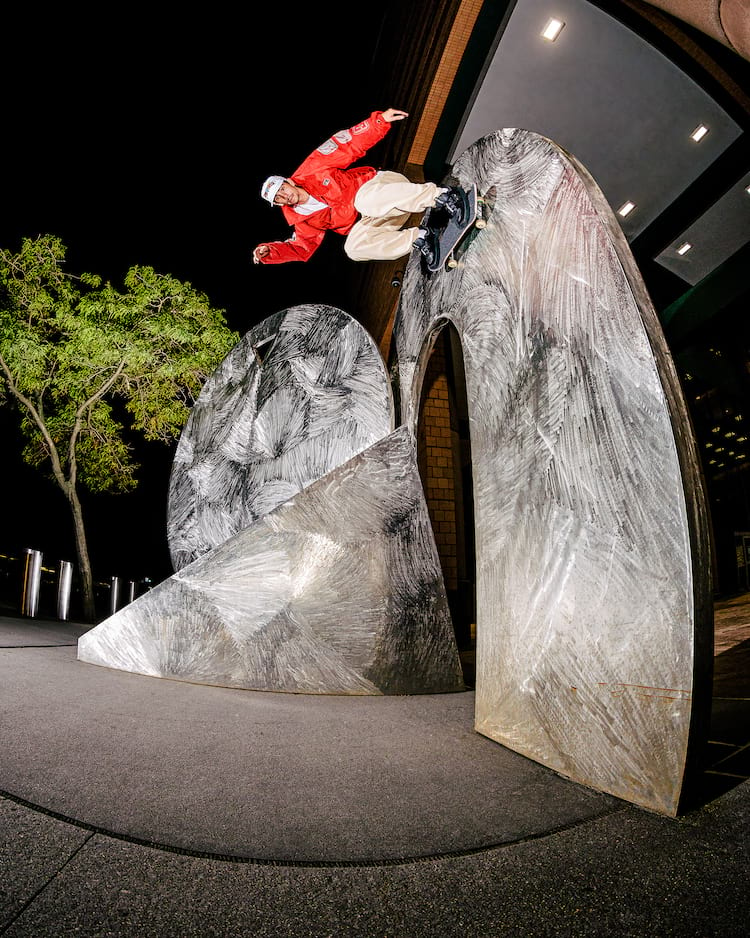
pixel 385 202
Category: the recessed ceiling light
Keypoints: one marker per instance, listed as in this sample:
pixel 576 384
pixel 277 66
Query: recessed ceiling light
pixel 626 209
pixel 552 30
pixel 684 248
pixel 699 133
pixel 747 189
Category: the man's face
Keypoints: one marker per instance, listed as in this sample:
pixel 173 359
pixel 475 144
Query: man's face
pixel 288 194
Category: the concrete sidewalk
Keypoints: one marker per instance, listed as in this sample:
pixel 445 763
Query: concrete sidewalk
pixel 134 806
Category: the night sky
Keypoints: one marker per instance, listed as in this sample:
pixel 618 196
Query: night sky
pixel 141 141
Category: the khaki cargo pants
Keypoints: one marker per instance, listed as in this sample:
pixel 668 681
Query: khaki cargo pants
pixel 385 202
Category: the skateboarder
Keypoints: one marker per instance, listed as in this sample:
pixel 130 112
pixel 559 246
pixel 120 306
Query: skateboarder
pixel 367 206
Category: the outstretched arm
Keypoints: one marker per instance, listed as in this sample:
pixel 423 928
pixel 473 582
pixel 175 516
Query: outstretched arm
pixel 347 146
pixel 300 247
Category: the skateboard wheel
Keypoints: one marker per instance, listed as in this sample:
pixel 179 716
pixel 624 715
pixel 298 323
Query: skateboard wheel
pixel 481 223
pixel 452 262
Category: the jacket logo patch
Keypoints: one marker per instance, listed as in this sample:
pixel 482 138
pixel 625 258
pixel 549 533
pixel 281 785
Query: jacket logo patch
pixel 326 182
pixel 327 148
pixel 343 136
pixel 361 128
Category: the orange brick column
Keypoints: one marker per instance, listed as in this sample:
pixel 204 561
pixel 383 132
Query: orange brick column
pixel 435 454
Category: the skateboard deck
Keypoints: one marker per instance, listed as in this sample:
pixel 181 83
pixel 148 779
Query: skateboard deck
pixel 451 234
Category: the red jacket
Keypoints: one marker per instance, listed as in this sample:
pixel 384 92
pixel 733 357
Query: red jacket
pixel 323 176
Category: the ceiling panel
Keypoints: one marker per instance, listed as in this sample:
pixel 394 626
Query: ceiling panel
pixel 713 238
pixel 605 95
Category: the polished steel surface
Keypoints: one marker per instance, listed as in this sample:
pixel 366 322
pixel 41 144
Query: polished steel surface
pixel 298 396
pixel 593 599
pixel 338 591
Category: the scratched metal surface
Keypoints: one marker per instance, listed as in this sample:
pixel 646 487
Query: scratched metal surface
pixel 300 394
pixel 593 598
pixel 338 591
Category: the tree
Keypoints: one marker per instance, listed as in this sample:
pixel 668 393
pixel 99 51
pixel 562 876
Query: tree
pixel 85 363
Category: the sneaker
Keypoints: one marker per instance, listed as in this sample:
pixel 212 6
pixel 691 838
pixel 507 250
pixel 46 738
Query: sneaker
pixel 426 244
pixel 455 203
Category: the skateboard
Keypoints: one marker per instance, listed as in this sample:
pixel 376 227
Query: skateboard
pixel 450 234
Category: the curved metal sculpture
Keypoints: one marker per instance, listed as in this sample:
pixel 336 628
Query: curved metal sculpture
pixel 594 615
pixel 299 395
pixel 306 558
pixel 593 600
pixel 336 591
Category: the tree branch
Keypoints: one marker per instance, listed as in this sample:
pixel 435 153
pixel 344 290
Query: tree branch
pixel 39 421
pixel 84 409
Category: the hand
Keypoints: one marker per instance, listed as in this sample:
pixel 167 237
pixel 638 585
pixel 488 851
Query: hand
pixel 262 250
pixel 393 114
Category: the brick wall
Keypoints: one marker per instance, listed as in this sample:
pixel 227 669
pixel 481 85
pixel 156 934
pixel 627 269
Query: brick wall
pixel 442 82
pixel 435 454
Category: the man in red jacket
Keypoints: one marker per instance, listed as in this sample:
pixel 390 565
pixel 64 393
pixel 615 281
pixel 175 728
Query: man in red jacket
pixel 367 206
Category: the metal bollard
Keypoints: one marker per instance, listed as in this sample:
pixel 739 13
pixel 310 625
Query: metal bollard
pixel 64 583
pixel 131 591
pixel 32 578
pixel 114 599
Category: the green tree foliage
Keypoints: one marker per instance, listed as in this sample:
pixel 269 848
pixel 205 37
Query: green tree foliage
pixel 85 363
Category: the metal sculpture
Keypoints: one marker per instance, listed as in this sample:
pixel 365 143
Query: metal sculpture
pixel 593 600
pixel 306 561
pixel 336 591
pixel 298 396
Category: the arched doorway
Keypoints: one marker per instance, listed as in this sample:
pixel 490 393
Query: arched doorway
pixel 444 458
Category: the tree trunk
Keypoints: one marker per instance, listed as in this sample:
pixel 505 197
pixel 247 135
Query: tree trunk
pixel 84 564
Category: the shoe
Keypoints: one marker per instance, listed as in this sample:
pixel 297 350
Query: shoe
pixel 455 203
pixel 427 245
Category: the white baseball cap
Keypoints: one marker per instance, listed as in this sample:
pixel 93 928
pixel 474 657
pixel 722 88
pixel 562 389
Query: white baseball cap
pixel 270 187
